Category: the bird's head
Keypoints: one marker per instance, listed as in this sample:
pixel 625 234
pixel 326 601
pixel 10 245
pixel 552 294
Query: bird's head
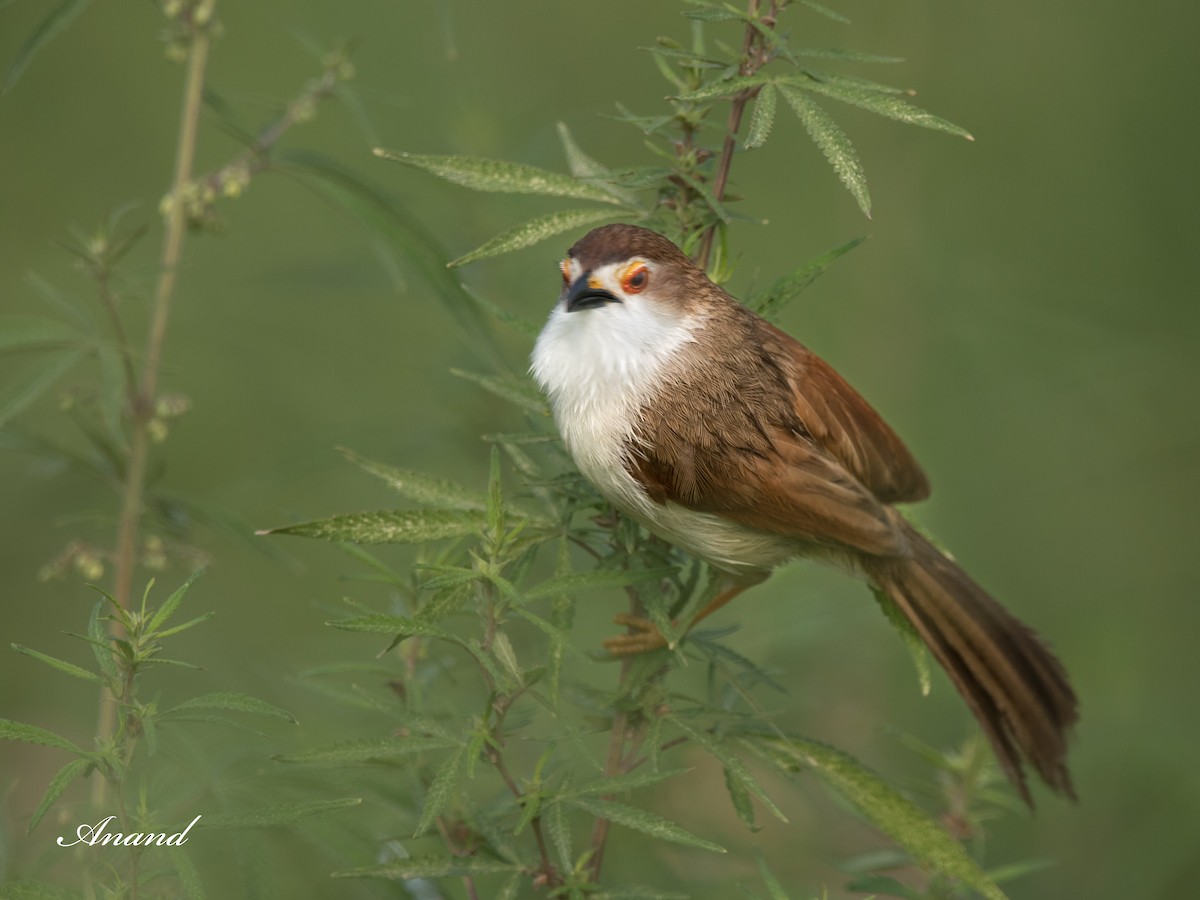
pixel 628 270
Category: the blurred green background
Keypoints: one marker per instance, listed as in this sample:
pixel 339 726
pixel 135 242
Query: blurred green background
pixel 1024 314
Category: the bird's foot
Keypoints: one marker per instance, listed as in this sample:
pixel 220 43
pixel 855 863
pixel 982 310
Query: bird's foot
pixel 644 638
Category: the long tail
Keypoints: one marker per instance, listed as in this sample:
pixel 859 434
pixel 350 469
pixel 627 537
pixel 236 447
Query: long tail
pixel 1017 688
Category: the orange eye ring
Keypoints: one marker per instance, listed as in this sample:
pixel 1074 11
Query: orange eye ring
pixel 565 268
pixel 636 279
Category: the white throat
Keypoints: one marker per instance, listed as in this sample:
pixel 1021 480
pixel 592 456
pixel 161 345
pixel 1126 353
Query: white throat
pixel 599 367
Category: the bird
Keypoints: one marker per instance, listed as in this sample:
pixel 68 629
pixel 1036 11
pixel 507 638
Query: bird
pixel 730 439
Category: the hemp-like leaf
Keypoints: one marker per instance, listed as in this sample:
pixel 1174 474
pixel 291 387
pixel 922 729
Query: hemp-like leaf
pixel 926 841
pixel 281 814
pixel 167 610
pixel 441 789
pixel 601 578
pixel 20 332
pixel 885 105
pixel 643 821
pixel 912 640
pixel 58 784
pixel 430 867
pixel 369 750
pixel 428 490
pixel 833 142
pixel 58 19
pixel 620 783
pixel 31 734
pixel 762 118
pixel 533 232
pixel 61 664
pixel 27 385
pixel 233 701
pixel 726 88
pixel 734 767
pixel 520 391
pixel 826 11
pixel 771 300
pixel 499 176
pixel 388 526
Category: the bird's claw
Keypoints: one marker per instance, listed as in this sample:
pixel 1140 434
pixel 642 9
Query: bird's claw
pixel 644 638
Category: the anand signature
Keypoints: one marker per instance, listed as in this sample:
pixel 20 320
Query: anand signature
pixel 99 834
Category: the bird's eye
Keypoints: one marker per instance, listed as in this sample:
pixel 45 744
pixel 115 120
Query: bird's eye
pixel 565 268
pixel 636 279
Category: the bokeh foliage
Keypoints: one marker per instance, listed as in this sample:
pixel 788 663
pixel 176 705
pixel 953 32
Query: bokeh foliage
pixel 1022 313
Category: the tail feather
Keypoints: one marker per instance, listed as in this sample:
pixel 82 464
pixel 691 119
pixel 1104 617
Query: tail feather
pixel 1013 684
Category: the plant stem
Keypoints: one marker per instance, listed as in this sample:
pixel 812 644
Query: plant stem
pixel 141 399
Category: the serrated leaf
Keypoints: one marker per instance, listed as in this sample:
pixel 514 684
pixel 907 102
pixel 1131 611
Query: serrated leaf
pixel 512 320
pixel 912 640
pixel 31 734
pixel 428 490
pixel 740 798
pixel 164 612
pixel 774 888
pixel 499 176
pixel 429 867
pixel 388 526
pixel 733 766
pixel 705 12
pixel 440 791
pixel 280 814
pixel 926 841
pixel 826 11
pixel 189 878
pixel 618 784
pixel 210 719
pixel 771 300
pixel 852 82
pixel 726 88
pixel 762 118
pixel 886 105
pixel 583 166
pixel 21 332
pixel 520 391
pixel 34 380
pixel 554 820
pixel 58 784
pixel 382 623
pixel 61 664
pixel 233 701
pixel 535 231
pixel 645 822
pixel 45 31
pixel 601 578
pixel 368 750
pixel 845 55
pixel 98 640
pixel 833 142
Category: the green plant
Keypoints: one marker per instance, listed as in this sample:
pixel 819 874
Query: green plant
pixel 502 595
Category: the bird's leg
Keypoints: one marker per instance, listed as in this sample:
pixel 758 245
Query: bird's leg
pixel 646 636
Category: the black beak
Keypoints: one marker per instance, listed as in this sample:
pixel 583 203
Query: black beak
pixel 584 296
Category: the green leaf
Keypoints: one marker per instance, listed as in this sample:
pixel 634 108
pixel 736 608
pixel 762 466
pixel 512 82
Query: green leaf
pixel 846 55
pixel 826 11
pixel 771 300
pixel 441 790
pixel 60 664
pixel 520 391
pixel 620 783
pixel 733 766
pixel 58 784
pixel 833 142
pixel 280 814
pixel 600 578
pixel 710 12
pixel 926 841
pixel 369 750
pixel 98 639
pixel 32 889
pixel 189 878
pixel 809 76
pixel 20 332
pixel 762 118
pixel 428 490
pixel 726 88
pixel 554 818
pixel 388 526
pixel 584 167
pixel 34 380
pixel 885 105
pixel 638 892
pixel 234 701
pixel 498 176
pixel 382 623
pixel 209 719
pixel 45 31
pixel 774 888
pixel 912 640
pixel 430 867
pixel 643 821
pixel 164 612
pixel 739 796
pixel 31 734
pixel 535 231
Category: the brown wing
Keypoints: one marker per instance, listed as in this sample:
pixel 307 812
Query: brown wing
pixel 730 433
pixel 841 421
